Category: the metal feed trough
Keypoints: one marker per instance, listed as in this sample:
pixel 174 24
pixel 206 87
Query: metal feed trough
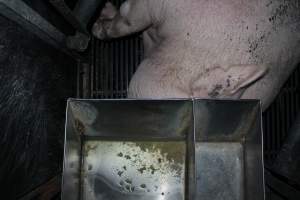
pixel 163 150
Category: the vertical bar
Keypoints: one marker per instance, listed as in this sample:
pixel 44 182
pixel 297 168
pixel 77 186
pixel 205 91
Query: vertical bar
pixel 100 68
pixel 297 88
pixel 278 124
pixel 96 67
pixel 106 69
pixel 266 133
pixel 117 61
pixel 121 50
pixel 294 112
pixel 78 79
pixel 282 117
pixel 100 65
pixel 142 48
pixel 112 62
pixel 273 131
pixel 134 55
pixel 131 46
pixel 287 107
pixel 93 65
pixel 126 56
pixel 191 169
pixel 269 135
pixel 81 171
pixel 285 114
pixel 96 49
pixel 137 53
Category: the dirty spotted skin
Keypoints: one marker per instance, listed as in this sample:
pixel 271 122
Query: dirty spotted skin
pixel 209 49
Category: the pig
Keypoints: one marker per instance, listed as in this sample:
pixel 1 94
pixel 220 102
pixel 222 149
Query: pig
pixel 208 48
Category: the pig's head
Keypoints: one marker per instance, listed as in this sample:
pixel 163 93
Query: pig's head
pixel 106 16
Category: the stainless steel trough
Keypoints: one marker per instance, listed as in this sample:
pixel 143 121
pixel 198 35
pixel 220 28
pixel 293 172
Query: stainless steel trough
pixel 163 150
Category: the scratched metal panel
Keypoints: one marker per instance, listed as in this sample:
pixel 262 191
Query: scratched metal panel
pixel 118 161
pixel 228 150
pixel 163 149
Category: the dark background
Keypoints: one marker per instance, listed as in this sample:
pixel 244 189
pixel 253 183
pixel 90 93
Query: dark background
pixel 35 82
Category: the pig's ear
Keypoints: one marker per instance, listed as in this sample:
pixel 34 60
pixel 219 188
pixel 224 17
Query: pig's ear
pixel 238 77
pixel 230 81
pixel 108 12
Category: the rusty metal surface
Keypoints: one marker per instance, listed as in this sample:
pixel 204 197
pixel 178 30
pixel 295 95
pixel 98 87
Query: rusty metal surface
pixel 163 149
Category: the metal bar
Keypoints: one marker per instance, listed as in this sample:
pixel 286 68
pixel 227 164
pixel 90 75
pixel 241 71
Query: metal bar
pixel 103 62
pixel 78 95
pixel 272 130
pixel 106 67
pixel 281 187
pixel 126 56
pixel 132 57
pixel 277 125
pixel 297 75
pixel 108 92
pixel 85 76
pixel 264 135
pixel 23 15
pixel 117 64
pixel 67 13
pixel 84 10
pixel 142 48
pixel 283 122
pixel 111 66
pixel 93 64
pixel 268 146
pixel 47 190
pixel 286 112
pixel 99 67
pixel 136 54
pixel 122 66
pixel 97 58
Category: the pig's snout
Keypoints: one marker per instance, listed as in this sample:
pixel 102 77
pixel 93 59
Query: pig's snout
pixel 98 30
pixel 103 24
